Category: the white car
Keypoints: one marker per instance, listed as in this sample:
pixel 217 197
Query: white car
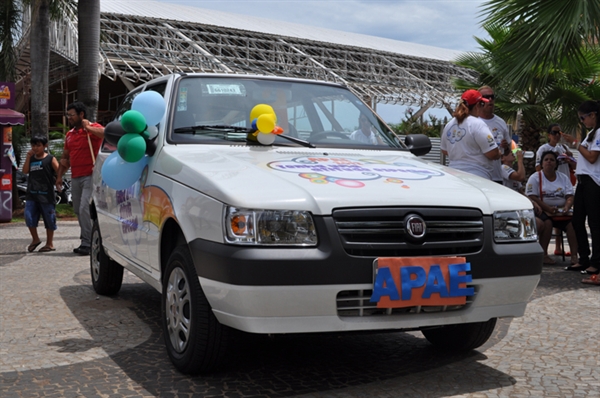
pixel 317 232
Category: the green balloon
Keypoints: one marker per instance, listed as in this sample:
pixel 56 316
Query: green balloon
pixel 131 147
pixel 133 122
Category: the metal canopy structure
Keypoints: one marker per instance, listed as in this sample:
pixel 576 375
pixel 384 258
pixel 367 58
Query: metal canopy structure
pixel 138 48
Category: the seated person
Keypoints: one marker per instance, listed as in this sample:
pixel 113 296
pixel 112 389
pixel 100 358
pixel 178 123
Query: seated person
pixel 513 180
pixel 364 134
pixel 553 192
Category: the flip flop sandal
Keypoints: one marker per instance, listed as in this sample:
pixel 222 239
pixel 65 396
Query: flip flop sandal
pixel 46 249
pixel 548 261
pixel 592 280
pixel 32 246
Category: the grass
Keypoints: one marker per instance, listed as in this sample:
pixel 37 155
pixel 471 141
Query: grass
pixel 62 211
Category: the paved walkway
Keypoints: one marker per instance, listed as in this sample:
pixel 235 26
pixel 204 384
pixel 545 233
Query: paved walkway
pixel 59 339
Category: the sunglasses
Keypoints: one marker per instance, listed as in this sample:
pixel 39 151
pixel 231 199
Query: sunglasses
pixel 555 132
pixel 582 117
pixel 489 97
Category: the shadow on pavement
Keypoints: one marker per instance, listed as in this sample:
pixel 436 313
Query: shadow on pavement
pixel 283 365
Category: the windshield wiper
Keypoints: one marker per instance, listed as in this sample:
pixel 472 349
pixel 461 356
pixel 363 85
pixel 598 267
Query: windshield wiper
pixel 298 141
pixel 236 129
pixel 225 128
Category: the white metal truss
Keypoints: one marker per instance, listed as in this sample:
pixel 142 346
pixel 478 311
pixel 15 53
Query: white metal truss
pixel 138 49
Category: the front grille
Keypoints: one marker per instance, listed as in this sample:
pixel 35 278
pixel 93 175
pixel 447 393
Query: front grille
pixel 381 232
pixel 353 303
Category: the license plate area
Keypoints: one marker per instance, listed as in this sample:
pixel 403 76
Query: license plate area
pixel 401 282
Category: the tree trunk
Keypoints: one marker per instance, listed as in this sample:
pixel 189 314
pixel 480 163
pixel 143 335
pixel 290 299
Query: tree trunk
pixel 40 66
pixel 530 141
pixel 88 28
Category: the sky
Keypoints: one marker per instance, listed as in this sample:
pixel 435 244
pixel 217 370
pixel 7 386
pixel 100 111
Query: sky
pixel 450 24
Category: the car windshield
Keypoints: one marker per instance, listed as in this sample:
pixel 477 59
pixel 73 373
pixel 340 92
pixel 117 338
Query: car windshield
pixel 217 110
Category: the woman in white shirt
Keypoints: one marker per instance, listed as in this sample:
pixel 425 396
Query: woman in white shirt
pixel 553 192
pixel 467 141
pixel 588 192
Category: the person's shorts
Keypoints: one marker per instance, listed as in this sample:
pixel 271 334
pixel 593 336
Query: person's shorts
pixel 33 211
pixel 560 224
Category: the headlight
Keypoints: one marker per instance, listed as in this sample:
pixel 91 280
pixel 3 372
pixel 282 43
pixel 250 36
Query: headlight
pixel 269 227
pixel 515 226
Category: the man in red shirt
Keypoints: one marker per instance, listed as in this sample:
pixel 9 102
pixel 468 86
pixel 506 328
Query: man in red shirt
pixel 82 144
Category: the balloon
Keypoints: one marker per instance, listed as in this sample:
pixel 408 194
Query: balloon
pixel 261 109
pixel 265 139
pixel 266 123
pixel 150 147
pixel 133 122
pixel 152 131
pixel 113 132
pixel 131 147
pixel 119 174
pixel 151 105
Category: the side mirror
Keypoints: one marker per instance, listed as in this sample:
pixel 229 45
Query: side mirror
pixel 418 144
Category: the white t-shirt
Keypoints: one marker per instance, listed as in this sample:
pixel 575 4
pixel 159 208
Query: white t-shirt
pixel 466 144
pixel 560 149
pixel 554 193
pixel 359 136
pixel 507 182
pixel 585 167
pixel 499 130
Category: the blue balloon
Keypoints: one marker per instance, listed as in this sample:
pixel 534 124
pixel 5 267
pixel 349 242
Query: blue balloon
pixel 119 174
pixel 150 104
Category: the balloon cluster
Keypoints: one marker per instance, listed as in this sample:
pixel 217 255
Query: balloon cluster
pixel 133 136
pixel 264 121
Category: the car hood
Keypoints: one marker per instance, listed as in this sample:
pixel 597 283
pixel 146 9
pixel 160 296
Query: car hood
pixel 320 180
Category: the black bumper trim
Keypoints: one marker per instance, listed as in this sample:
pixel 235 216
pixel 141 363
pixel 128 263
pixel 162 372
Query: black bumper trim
pixel 329 264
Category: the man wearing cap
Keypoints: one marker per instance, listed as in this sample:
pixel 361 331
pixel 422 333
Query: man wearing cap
pixel 466 139
pixel 497 126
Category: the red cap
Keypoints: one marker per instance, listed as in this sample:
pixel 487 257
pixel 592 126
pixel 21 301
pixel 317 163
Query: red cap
pixel 471 97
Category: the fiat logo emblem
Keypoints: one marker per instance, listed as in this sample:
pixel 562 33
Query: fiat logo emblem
pixel 415 226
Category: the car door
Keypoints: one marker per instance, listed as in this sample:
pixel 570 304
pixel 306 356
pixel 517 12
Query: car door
pixel 127 233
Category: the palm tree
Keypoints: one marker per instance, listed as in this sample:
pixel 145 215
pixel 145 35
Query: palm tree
pixel 549 96
pixel 543 35
pixel 10 16
pixel 89 54
pixel 42 11
pixel 39 45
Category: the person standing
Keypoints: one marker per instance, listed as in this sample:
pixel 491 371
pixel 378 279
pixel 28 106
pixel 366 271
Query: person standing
pixel 565 157
pixel 41 168
pixel 588 191
pixel 498 128
pixel 82 143
pixel 466 139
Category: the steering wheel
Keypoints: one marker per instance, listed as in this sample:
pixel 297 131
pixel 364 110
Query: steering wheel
pixel 327 134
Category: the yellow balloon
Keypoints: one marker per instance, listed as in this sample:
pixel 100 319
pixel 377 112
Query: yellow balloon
pixel 266 123
pixel 261 109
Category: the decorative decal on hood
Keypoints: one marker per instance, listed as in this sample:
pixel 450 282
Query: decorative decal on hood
pixel 351 173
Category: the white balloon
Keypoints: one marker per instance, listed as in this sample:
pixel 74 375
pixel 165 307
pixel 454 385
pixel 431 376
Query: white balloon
pixel 265 139
pixel 152 132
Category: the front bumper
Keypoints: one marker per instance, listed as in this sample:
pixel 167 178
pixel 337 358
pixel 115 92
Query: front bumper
pixel 290 290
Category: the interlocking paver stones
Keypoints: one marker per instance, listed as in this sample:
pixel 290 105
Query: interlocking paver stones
pixel 58 338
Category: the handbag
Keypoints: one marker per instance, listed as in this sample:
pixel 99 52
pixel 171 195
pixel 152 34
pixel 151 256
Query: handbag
pixel 555 217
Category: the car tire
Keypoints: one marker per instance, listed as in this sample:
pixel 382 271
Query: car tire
pixel 196 342
pixel 462 337
pixel 107 275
